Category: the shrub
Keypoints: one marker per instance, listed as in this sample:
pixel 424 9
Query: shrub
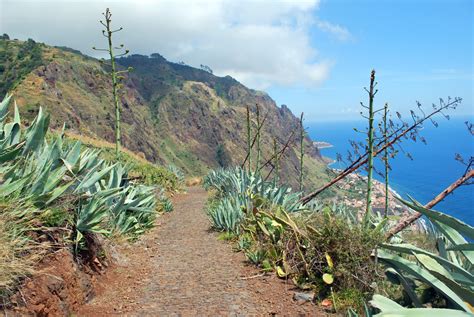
pixel 341 251
pixel 318 248
pixel 166 204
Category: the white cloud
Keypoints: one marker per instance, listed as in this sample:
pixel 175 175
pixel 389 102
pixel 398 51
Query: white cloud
pixel 260 42
pixel 340 32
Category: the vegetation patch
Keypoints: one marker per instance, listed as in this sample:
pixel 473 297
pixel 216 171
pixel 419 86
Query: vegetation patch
pixel 57 194
pixel 336 255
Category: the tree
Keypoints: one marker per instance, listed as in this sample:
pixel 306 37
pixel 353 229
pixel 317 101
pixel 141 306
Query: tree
pixel 206 68
pixel 115 75
pixel 222 157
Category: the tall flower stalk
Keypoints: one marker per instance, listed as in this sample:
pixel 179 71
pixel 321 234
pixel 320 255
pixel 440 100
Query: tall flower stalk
pixel 249 142
pixel 385 157
pixel 302 134
pixel 114 74
pixel 259 150
pixel 276 162
pixel 370 144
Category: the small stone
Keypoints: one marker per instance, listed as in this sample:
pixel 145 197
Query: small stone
pixel 303 297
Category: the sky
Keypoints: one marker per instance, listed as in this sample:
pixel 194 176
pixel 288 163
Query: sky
pixel 313 55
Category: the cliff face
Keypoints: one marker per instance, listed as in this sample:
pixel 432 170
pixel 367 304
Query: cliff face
pixel 172 113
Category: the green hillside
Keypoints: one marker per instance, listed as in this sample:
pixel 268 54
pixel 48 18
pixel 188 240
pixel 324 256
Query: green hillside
pixel 172 113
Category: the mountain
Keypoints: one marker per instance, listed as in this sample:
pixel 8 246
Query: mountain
pixel 172 113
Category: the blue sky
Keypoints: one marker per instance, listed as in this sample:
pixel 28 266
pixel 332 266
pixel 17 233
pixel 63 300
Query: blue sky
pixel 312 55
pixel 421 50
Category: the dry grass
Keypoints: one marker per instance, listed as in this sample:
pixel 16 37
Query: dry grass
pixel 102 144
pixel 193 181
pixel 18 254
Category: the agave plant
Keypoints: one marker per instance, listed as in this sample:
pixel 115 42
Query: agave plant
pixel 166 204
pixel 388 307
pixel 247 185
pixel 41 171
pixel 226 215
pixel 177 172
pixel 449 271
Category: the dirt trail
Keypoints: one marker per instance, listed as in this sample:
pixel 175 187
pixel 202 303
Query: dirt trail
pixel 181 269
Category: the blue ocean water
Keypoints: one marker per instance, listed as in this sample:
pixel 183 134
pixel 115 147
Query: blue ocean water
pixel 432 169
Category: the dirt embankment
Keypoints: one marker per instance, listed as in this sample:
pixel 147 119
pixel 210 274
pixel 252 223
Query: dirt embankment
pixel 58 288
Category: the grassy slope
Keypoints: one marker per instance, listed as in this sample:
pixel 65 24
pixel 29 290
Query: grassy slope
pixel 172 113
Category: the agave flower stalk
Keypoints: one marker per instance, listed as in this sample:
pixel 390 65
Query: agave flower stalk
pixel 385 157
pixel 301 152
pixel 276 176
pixel 370 144
pixel 249 136
pixel 114 74
pixel 257 168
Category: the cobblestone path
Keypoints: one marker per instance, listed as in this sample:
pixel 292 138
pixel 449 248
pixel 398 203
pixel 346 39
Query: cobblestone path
pixel 182 269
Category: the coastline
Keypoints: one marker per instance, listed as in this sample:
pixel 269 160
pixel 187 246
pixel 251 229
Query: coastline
pixel 355 185
pixel 410 177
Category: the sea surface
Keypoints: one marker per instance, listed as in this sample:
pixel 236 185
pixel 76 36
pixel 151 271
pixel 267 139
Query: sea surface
pixel 432 169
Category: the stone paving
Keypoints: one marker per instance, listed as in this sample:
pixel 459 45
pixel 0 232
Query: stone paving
pixel 182 269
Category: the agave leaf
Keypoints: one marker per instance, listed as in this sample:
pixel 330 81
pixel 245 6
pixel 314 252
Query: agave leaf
pixel 54 178
pixel 11 152
pixel 456 239
pixel 12 133
pixel 39 182
pixel 16 115
pixel 441 246
pixel 462 247
pixel 58 191
pixel 399 279
pixel 385 304
pixel 444 275
pixel 36 133
pixel 92 178
pixel 4 106
pixel 390 308
pixel 7 189
pixel 442 218
pixel 73 155
pixel 91 216
pixel 422 274
pixel 452 267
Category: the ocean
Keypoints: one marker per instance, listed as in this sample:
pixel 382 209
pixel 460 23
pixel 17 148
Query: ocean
pixel 432 169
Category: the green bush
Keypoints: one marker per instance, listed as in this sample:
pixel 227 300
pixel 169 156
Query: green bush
pixel 18 60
